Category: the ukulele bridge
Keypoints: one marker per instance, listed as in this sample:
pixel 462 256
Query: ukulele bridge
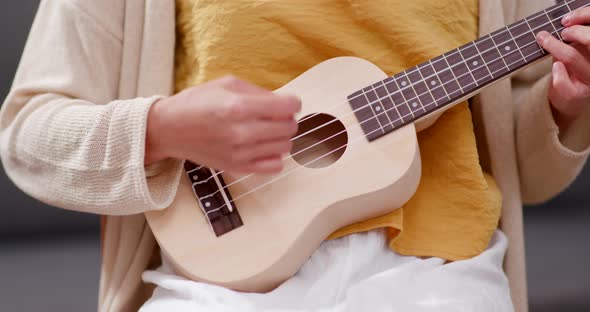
pixel 214 198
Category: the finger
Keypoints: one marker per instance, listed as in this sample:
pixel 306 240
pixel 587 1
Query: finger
pixel 269 165
pixel 261 131
pixel 577 34
pixel 573 60
pixel 273 106
pixel 264 150
pixel 565 93
pixel 562 82
pixel 237 85
pixel 577 17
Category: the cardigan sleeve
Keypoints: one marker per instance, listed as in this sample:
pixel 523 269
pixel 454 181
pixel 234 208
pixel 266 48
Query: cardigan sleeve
pixel 64 138
pixel 549 159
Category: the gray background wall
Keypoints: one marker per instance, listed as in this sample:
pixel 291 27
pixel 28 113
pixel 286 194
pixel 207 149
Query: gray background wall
pixel 49 258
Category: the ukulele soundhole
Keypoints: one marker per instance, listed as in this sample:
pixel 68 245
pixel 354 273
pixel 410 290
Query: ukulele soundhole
pixel 320 141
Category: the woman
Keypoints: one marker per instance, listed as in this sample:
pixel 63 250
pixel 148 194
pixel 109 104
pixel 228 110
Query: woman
pixel 91 125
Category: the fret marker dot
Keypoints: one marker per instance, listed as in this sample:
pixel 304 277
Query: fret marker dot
pixel 475 63
pixel 195 177
pixel 377 108
pixel 404 83
pixel 433 83
pixel 207 204
pixel 507 48
pixel 414 104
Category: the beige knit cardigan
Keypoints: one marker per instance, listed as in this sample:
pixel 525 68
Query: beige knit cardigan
pixel 72 129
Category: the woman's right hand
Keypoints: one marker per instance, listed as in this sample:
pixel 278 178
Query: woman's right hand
pixel 226 124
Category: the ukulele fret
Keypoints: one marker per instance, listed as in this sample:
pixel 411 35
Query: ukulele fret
pixel 439 93
pixel 408 93
pixel 398 100
pixel 364 113
pixel 475 63
pixel 421 88
pixel 523 36
pixel 213 198
pixel 461 71
pixel 449 81
pixel 508 49
pixel 378 109
pixel 388 104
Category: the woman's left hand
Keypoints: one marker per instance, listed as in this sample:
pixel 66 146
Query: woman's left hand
pixel 569 91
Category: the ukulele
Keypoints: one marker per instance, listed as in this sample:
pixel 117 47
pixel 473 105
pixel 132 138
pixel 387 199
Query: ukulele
pixel 355 156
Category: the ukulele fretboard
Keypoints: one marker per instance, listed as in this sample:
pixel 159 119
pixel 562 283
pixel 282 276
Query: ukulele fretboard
pixel 412 94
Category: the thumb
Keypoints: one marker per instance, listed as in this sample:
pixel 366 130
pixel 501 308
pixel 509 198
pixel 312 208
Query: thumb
pixel 562 85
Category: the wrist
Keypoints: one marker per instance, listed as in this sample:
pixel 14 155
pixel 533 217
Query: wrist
pixel 155 149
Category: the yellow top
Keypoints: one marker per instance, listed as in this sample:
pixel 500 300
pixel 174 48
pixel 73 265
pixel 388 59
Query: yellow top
pixel 270 42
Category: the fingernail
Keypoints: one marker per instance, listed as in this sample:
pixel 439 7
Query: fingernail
pixel 541 36
pixel 566 20
pixel 565 31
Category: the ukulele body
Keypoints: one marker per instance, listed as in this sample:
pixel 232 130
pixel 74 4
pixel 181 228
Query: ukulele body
pixel 285 221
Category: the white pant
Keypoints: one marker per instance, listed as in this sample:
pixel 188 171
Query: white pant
pixel 354 273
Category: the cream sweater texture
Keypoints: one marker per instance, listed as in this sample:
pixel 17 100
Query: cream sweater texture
pixel 72 129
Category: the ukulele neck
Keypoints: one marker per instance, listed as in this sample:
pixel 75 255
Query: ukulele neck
pixel 456 75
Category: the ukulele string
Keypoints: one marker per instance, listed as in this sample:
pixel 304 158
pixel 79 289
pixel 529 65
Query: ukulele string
pixel 348 115
pixel 354 140
pixel 411 85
